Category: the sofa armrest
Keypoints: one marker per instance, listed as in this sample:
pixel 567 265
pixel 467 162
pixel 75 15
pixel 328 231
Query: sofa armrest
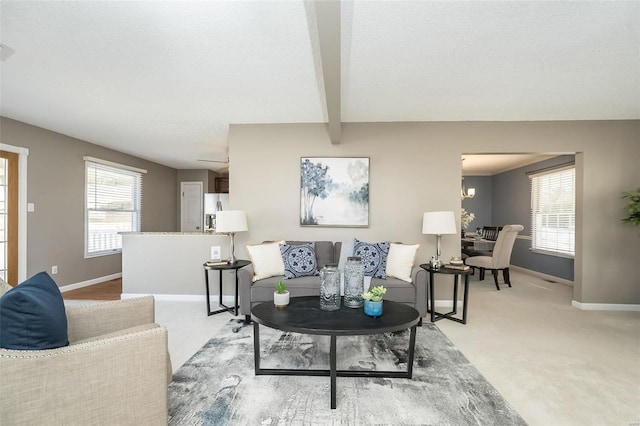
pixel 245 280
pixel 86 321
pixel 419 277
pixel 116 380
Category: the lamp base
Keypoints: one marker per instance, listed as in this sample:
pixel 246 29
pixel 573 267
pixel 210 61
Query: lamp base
pixel 232 258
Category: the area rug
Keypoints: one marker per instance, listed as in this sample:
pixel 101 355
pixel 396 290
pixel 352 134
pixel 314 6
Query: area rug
pixel 217 386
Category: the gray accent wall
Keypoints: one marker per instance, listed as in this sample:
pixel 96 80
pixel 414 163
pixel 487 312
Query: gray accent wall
pixel 55 185
pixel 415 167
pixel 480 205
pixel 511 204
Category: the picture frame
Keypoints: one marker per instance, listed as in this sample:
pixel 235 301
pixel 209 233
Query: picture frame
pixel 334 192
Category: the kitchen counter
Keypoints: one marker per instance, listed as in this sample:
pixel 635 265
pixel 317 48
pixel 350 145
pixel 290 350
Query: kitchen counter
pixel 204 234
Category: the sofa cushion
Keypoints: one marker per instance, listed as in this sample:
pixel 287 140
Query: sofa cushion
pixel 324 251
pixel 374 257
pixel 266 260
pixel 397 290
pixel 299 260
pixel 400 260
pixel 262 290
pixel 32 315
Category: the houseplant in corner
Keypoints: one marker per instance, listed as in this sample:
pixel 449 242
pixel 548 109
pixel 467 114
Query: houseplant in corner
pixel 633 206
pixel 373 301
pixel 281 295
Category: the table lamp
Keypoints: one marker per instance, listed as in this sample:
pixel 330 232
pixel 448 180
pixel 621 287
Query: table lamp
pixel 230 222
pixel 439 223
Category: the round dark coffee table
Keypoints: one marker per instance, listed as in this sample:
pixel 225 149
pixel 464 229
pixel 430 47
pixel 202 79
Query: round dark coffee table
pixel 303 315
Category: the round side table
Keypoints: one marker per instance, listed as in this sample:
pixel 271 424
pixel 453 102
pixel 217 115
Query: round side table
pixel 435 316
pixel 223 266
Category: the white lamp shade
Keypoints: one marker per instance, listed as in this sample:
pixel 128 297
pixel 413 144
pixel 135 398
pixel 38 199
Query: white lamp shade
pixel 231 221
pixel 439 223
pixel 471 192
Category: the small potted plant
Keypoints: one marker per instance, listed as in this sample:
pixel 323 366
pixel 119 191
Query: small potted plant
pixel 281 295
pixel 373 301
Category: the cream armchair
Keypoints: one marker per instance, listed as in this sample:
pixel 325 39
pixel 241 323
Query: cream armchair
pixel 115 370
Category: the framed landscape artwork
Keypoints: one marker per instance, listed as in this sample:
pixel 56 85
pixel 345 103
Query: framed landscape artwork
pixel 334 191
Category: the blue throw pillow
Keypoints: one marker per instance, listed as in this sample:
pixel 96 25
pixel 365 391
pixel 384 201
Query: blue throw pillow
pixel 32 315
pixel 299 260
pixel 374 257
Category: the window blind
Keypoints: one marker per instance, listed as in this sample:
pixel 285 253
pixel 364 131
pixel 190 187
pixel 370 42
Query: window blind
pixel 553 219
pixel 113 205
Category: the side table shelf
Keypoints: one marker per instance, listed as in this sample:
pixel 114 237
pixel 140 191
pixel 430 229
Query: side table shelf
pixel 223 267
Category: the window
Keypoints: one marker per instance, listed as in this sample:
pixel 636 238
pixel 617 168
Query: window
pixel 553 218
pixel 113 205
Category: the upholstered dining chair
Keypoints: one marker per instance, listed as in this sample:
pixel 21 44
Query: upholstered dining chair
pixel 501 256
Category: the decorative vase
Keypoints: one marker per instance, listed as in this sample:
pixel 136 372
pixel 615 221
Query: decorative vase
pixel 373 309
pixel 353 282
pixel 281 300
pixel 330 288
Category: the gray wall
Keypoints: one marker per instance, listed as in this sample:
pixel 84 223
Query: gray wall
pixel 512 205
pixel 55 184
pixel 415 167
pixel 480 205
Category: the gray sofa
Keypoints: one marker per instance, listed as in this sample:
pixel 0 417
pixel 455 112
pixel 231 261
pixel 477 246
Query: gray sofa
pixel 411 293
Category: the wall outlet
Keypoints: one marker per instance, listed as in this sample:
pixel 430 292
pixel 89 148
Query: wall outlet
pixel 54 269
pixel 216 252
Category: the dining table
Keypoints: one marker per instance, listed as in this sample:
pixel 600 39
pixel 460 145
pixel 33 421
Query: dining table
pixel 477 244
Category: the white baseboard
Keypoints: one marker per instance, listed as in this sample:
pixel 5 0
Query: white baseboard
pixel 541 275
pixel 87 283
pixel 201 298
pixel 605 306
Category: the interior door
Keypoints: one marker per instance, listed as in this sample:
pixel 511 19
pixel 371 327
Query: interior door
pixel 191 213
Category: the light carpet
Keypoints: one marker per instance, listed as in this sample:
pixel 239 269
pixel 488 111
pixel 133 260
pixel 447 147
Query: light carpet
pixel 217 386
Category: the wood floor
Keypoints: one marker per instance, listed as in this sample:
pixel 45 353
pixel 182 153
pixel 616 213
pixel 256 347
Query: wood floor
pixel 108 290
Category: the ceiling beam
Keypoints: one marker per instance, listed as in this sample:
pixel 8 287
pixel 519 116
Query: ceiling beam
pixel 328 25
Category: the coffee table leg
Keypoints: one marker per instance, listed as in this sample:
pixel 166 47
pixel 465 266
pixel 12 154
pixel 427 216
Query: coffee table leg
pixel 332 366
pixel 256 346
pixel 412 346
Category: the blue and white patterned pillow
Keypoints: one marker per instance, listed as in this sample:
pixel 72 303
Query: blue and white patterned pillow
pixel 299 260
pixel 374 257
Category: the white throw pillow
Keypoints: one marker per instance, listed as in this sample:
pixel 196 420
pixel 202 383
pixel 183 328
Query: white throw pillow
pixel 400 260
pixel 266 259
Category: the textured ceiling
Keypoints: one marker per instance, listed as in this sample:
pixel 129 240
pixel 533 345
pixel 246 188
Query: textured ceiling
pixel 163 80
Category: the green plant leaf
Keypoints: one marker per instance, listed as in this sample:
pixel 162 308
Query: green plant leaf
pixel 633 206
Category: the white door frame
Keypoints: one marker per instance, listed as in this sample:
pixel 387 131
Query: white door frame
pixel 22 207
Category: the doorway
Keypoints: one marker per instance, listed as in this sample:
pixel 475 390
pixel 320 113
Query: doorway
pixel 9 217
pixel 503 195
pixel 191 213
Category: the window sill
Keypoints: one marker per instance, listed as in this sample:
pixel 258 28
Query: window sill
pixel 552 253
pixel 102 253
